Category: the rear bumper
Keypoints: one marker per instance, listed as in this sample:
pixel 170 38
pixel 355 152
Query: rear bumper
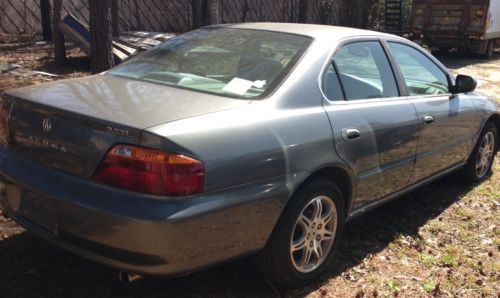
pixel 140 233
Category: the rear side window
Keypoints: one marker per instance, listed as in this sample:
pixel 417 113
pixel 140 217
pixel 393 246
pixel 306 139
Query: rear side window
pixel 365 72
pixel 331 83
pixel 421 75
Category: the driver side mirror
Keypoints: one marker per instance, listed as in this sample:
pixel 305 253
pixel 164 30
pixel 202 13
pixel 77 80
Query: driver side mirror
pixel 464 84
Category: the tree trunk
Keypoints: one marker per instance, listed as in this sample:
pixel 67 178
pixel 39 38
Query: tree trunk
pixel 213 12
pixel 101 39
pixel 114 18
pixel 303 10
pixel 197 11
pixel 45 14
pixel 355 13
pixel 328 12
pixel 59 47
pixel 245 11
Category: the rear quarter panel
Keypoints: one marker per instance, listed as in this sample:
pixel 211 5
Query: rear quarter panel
pixel 252 143
pixel 289 132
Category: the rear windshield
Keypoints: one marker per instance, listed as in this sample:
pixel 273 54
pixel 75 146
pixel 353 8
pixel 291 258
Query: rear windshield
pixel 237 63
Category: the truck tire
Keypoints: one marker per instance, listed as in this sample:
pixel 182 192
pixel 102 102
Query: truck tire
pixel 441 51
pixel 490 49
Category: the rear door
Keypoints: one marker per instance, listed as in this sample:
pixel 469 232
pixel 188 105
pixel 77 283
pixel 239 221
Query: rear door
pixel 447 122
pixel 375 129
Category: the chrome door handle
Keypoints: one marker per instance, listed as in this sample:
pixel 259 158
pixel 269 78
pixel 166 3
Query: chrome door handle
pixel 351 133
pixel 428 120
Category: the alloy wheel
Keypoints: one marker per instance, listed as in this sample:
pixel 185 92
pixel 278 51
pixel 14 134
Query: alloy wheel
pixel 314 234
pixel 485 154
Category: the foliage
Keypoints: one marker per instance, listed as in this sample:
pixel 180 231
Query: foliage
pixel 407 5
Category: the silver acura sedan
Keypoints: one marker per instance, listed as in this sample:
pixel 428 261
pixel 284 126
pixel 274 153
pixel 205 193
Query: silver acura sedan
pixel 234 140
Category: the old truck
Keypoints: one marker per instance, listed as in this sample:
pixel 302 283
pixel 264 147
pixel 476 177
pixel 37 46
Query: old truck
pixel 470 25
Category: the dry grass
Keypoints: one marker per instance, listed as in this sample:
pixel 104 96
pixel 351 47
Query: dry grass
pixel 442 240
pixel 37 56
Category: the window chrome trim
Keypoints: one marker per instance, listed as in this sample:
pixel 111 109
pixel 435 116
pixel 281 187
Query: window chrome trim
pixel 433 59
pixel 329 60
pixel 382 39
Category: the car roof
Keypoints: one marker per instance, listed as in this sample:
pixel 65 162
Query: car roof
pixel 316 31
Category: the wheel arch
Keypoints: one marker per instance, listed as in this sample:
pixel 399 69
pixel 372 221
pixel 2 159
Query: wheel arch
pixel 340 176
pixel 495 119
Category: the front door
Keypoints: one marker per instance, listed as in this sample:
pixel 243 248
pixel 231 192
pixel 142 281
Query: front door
pixel 447 123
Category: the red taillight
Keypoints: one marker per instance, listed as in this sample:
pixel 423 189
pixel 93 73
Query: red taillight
pixel 151 171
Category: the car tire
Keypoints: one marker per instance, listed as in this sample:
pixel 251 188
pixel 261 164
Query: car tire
pixel 481 160
pixel 283 261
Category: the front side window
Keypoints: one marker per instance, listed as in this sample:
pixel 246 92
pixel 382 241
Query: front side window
pixel 365 72
pixel 237 63
pixel 421 75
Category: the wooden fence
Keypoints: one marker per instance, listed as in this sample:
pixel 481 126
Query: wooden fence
pixel 23 16
pixel 19 16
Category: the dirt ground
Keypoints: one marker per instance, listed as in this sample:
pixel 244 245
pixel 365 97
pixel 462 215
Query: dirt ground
pixel 442 240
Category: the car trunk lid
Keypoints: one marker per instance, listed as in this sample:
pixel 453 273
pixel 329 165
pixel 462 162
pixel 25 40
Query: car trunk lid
pixel 63 140
pixel 70 125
